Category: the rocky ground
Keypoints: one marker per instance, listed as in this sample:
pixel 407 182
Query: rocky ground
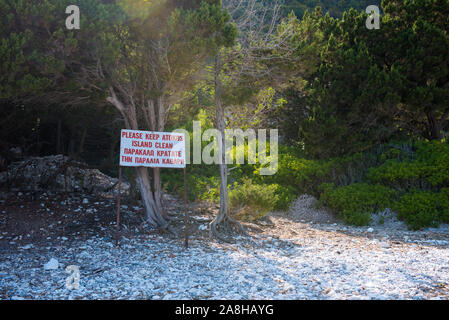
pixel 302 254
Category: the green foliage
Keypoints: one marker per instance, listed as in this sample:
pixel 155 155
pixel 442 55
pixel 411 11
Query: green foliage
pixel 363 87
pixel 203 182
pixel 250 201
pixel 407 180
pixel 423 66
pixel 443 205
pixel 418 209
pixel 286 195
pixel 302 174
pixel 335 8
pixel 430 168
pixel 38 54
pixel 306 175
pixel 355 202
pixel 352 89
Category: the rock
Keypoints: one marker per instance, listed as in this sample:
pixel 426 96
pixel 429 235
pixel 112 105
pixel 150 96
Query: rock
pixel 60 173
pixel 15 153
pixel 304 208
pixel 387 219
pixel 53 264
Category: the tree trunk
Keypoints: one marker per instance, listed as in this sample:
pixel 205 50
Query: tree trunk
pixel 111 153
pixel 220 123
pixel 153 213
pixel 434 127
pixel 157 183
pixel 224 203
pixel 158 191
pixel 59 137
pixel 82 142
pixel 224 213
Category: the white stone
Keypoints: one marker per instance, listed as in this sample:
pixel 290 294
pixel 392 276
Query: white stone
pixel 53 264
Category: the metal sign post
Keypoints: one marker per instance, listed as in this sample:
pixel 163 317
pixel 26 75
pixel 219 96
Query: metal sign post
pixel 186 213
pixel 117 227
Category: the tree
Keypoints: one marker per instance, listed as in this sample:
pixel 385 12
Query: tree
pixel 354 94
pixel 348 98
pixel 38 58
pixel 139 56
pixel 334 8
pixel 369 86
pixel 150 54
pixel 418 33
pixel 242 71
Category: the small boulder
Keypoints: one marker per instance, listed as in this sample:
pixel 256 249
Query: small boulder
pixel 53 264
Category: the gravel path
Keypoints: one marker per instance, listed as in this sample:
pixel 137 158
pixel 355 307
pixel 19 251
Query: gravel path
pixel 315 261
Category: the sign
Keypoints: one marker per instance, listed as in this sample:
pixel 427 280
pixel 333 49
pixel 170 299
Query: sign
pixel 152 149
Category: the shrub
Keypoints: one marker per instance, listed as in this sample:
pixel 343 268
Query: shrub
pixel 286 195
pixel 418 209
pixel 251 201
pixel 443 204
pixel 355 202
pixel 302 175
pixel 201 185
pixel 429 170
pixel 434 156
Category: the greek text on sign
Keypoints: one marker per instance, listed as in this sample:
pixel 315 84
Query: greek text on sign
pixel 152 149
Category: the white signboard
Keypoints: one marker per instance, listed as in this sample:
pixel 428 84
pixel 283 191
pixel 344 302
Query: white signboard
pixel 152 149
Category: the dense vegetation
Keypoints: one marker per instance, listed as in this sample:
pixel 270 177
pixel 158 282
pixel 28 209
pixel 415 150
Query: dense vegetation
pixel 363 119
pixel 334 7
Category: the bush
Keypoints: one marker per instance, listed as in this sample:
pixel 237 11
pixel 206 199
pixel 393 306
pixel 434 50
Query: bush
pixel 286 195
pixel 443 204
pixel 202 185
pixel 412 177
pixel 420 209
pixel 429 170
pixel 302 175
pixel 250 201
pixel 355 202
